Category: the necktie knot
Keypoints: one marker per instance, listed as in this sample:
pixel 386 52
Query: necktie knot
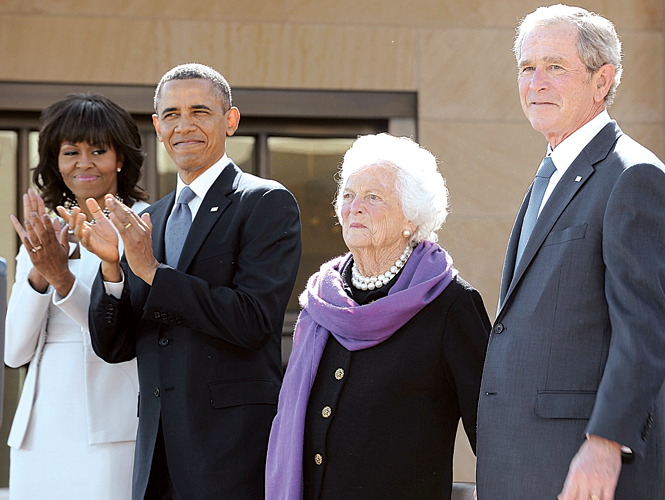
pixel 546 168
pixel 186 195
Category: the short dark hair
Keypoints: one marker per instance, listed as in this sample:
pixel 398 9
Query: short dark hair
pixel 94 119
pixel 192 71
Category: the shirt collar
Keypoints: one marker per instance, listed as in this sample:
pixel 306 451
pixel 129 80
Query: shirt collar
pixel 570 148
pixel 203 182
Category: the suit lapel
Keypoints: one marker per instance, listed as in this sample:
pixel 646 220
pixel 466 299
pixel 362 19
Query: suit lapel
pixel 572 181
pixel 158 219
pixel 213 205
pixel 511 252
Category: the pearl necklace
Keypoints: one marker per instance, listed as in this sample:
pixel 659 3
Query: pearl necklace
pixel 370 283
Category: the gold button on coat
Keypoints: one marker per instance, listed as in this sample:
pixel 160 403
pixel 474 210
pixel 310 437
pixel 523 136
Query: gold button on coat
pixel 339 374
pixel 326 412
pixel 318 459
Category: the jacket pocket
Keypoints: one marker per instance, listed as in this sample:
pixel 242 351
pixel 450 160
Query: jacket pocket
pixel 568 234
pixel 242 392
pixel 565 404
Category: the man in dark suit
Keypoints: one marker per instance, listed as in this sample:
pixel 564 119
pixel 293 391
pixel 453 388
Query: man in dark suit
pixel 201 308
pixel 576 357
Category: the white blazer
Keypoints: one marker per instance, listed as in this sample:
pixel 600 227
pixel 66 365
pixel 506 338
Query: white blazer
pixel 111 390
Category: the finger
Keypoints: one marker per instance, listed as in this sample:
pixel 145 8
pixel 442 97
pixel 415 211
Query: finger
pixel 63 237
pixel 56 225
pixel 62 211
pixel 36 202
pixel 146 220
pixel 18 227
pixel 39 227
pixel 27 206
pixel 30 230
pixel 81 225
pixel 95 209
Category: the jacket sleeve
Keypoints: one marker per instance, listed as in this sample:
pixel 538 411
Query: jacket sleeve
pixel 465 344
pixel 76 303
pixel 252 308
pixel 634 256
pixel 27 313
pixel 112 326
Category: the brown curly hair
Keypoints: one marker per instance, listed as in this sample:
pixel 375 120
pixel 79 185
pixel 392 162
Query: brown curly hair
pixel 94 119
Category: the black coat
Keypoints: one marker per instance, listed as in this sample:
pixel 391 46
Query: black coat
pixel 393 414
pixel 207 337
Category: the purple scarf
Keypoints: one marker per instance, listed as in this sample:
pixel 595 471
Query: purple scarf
pixel 327 309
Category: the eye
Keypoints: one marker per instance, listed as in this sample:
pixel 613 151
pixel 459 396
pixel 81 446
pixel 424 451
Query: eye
pixel 99 151
pixel 373 197
pixel 346 196
pixel 527 69
pixel 555 67
pixel 69 153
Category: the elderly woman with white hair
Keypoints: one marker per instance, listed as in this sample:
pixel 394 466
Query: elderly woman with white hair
pixel 389 347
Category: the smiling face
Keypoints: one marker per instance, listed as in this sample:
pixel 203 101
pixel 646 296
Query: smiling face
pixel 372 216
pixel 557 92
pixel 89 170
pixel 192 124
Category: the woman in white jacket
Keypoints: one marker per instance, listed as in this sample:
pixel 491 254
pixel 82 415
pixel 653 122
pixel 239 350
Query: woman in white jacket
pixel 74 431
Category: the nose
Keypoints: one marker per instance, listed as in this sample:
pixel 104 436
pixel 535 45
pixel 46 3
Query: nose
pixel 184 123
pixel 539 80
pixel 85 159
pixel 357 205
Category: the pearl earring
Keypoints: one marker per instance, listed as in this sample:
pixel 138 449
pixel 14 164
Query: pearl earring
pixel 118 169
pixel 406 233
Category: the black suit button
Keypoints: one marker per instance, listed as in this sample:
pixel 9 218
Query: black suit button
pixel 163 341
pixel 178 320
pixel 165 316
pixel 156 392
pixel 171 319
pixel 498 328
pixel 156 314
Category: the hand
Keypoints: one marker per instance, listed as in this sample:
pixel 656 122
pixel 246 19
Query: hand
pixel 99 238
pixel 136 234
pixel 594 471
pixel 47 245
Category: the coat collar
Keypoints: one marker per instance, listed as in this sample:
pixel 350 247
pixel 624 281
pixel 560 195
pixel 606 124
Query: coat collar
pixel 212 206
pixel 570 183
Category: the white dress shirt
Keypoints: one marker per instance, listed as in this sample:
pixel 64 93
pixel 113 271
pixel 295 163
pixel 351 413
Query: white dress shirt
pixel 570 148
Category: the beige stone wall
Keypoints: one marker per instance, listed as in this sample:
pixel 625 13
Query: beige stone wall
pixel 454 53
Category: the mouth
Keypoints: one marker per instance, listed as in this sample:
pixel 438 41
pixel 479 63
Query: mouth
pixel 184 143
pixel 86 178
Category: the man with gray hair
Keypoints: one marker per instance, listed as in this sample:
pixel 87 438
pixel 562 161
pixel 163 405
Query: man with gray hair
pixel 576 358
pixel 199 299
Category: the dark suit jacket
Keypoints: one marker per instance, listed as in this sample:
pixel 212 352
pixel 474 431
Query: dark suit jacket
pixel 207 337
pixel 578 345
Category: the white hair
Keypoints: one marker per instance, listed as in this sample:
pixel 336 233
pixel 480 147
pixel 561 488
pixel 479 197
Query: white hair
pixel 597 41
pixel 419 184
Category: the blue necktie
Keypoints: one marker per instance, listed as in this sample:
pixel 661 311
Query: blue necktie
pixel 178 226
pixel 540 183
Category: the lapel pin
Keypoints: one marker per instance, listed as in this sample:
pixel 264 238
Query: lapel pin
pixel 214 209
pixel 578 178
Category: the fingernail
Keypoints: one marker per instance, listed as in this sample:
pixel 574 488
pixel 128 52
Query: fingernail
pixel 34 215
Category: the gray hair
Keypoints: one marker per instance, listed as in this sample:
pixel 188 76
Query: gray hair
pixel 194 71
pixel 419 184
pixel 597 42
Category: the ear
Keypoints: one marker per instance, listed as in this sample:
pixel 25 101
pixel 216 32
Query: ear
pixel 158 129
pixel 603 81
pixel 232 120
